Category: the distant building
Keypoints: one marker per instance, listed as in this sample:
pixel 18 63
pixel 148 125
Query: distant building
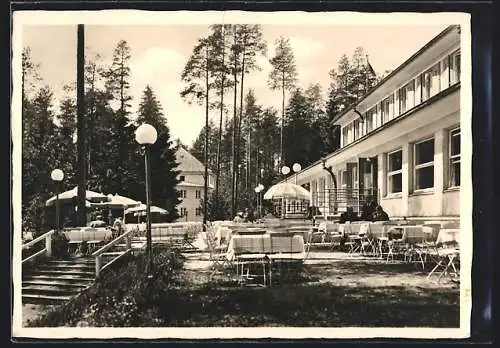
pixel 400 144
pixel 191 186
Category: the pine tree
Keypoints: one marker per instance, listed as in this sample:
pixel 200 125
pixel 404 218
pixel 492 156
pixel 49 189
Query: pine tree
pixel 163 160
pixel 284 77
pixel 120 137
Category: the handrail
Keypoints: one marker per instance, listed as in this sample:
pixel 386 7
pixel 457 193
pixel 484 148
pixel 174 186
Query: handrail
pixel 112 243
pixel 98 254
pixel 37 239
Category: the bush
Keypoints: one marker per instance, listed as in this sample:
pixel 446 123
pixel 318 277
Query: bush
pixel 122 297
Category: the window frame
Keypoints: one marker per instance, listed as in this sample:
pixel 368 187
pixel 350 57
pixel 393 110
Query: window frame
pixel 198 194
pixel 417 167
pixel 453 159
pixel 391 173
pixel 198 212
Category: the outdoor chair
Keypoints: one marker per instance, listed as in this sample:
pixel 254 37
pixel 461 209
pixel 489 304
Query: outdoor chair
pixel 366 245
pixel 447 253
pixel 395 242
pixel 218 254
pixel 287 253
pixel 415 247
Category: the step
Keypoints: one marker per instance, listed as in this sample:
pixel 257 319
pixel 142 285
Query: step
pixel 37 298
pixel 70 268
pixel 113 253
pixel 61 277
pixel 51 282
pixel 59 272
pixel 49 290
pixel 86 262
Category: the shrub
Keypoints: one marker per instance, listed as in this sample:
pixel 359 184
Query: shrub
pixel 125 296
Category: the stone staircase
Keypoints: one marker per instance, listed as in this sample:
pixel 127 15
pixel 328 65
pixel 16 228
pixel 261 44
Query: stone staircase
pixel 57 281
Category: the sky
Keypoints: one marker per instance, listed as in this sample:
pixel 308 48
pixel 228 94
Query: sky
pixel 160 52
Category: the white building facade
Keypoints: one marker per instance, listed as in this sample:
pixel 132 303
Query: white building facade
pixel 400 144
pixel 191 186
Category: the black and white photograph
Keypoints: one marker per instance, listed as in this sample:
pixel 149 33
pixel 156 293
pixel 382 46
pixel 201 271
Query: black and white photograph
pixel 230 174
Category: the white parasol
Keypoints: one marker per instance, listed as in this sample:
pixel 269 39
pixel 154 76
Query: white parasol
pixel 90 196
pixel 287 191
pixel 141 210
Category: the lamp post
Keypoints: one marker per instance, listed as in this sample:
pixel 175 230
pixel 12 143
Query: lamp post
pixel 296 168
pixel 57 176
pixel 261 188
pixel 284 170
pixel 146 135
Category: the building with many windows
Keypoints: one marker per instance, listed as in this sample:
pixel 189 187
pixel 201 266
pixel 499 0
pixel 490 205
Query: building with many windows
pixel 400 143
pixel 191 185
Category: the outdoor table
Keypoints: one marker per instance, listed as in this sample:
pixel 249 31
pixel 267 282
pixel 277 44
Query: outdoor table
pixel 410 234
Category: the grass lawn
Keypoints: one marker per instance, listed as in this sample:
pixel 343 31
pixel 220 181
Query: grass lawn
pixel 335 291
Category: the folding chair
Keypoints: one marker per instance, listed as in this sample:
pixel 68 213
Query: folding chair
pixel 218 254
pixel 447 253
pixel 394 243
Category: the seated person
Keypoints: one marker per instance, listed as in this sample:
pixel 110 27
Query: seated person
pixel 239 217
pixel 380 214
pixel 98 222
pixel 249 217
pixel 368 210
pixel 348 215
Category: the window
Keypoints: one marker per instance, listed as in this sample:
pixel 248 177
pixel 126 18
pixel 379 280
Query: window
pixel 369 120
pixel 344 136
pixel 424 164
pixel 407 97
pixel 344 179
pixel 356 129
pixel 198 194
pixel 430 82
pixel 445 73
pixel 183 194
pixel 454 158
pixel 455 67
pixel 198 211
pixel 184 211
pixel 182 178
pixel 394 172
pixel 387 108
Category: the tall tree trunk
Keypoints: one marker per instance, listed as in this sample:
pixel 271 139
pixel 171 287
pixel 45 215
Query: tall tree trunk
pixel 282 160
pixel 205 186
pixel 233 152
pixel 238 134
pixel 220 121
pixel 80 101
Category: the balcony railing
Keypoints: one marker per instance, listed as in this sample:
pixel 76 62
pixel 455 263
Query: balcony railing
pixel 331 201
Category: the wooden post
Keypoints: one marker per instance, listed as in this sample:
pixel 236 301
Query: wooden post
pixel 98 264
pixel 48 244
pixel 81 134
pixel 128 241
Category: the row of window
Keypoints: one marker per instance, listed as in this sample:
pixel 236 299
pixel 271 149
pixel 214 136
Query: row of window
pixel 439 77
pixel 182 178
pixel 423 165
pixel 184 211
pixel 183 194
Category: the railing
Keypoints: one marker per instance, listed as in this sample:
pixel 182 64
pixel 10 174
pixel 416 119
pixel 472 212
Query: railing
pixel 344 198
pixel 99 253
pixel 47 250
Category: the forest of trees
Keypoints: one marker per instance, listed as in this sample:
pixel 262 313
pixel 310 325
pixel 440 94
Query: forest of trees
pixel 246 140
pixel 248 136
pixel 115 160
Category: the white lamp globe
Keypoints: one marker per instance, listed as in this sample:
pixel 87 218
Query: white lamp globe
pixel 256 189
pixel 261 187
pixel 285 170
pixel 296 167
pixel 146 134
pixel 57 175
